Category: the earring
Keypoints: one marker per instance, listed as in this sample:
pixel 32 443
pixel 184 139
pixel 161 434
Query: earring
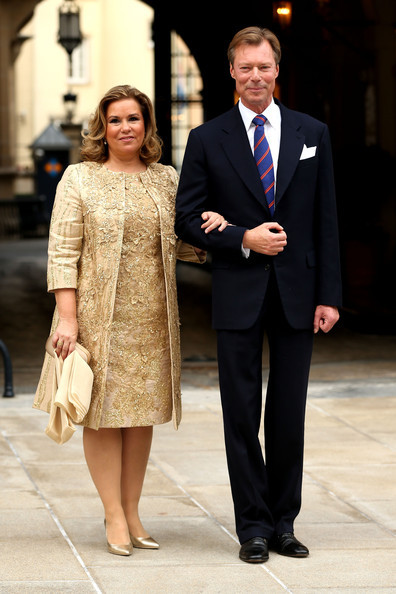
pixel 105 142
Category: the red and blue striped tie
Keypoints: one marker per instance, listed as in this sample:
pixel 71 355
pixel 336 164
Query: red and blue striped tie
pixel 263 157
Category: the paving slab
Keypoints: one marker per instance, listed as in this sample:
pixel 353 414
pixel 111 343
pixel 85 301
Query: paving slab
pixel 52 537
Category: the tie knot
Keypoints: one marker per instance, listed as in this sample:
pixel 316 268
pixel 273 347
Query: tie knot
pixel 259 120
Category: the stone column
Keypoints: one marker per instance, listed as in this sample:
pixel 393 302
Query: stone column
pixel 13 16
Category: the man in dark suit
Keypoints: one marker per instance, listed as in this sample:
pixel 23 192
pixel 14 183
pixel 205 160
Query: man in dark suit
pixel 275 269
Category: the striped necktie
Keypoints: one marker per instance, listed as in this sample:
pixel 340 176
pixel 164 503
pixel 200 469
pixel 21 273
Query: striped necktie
pixel 263 158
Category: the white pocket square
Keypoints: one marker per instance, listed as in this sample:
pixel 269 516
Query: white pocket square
pixel 308 152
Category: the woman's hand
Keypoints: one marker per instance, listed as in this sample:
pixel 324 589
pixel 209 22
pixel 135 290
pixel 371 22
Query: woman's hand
pixel 213 220
pixel 65 336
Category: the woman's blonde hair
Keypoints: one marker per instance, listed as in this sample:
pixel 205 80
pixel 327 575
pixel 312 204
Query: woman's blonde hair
pixel 94 147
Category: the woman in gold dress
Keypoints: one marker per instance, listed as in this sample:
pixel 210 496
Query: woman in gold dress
pixel 111 264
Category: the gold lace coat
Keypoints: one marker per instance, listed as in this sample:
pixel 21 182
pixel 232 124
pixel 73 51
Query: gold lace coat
pixel 84 253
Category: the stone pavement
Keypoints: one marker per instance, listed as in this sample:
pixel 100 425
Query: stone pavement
pixel 52 536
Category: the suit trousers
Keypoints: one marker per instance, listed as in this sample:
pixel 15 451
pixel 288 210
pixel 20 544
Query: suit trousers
pixel 266 494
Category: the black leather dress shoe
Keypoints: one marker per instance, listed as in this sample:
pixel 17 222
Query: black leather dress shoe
pixel 254 550
pixel 287 544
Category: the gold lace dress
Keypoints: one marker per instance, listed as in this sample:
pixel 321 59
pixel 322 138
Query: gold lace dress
pixel 112 238
pixel 138 383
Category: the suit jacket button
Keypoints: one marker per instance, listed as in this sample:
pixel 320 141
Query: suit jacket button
pixel 267 266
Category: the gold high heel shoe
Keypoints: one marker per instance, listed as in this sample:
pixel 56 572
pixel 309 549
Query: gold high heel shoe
pixel 140 542
pixel 118 549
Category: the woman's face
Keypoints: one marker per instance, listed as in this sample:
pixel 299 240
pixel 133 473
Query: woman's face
pixel 124 128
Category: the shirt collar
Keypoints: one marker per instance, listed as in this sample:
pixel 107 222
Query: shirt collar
pixel 272 113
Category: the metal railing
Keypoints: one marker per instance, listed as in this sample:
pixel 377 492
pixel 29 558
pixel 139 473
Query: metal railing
pixel 8 386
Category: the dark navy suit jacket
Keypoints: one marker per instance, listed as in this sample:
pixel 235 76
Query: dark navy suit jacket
pixel 219 173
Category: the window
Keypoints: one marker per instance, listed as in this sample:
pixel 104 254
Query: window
pixel 80 64
pixel 186 89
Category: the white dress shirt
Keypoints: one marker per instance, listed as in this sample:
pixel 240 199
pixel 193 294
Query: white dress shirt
pixel 272 128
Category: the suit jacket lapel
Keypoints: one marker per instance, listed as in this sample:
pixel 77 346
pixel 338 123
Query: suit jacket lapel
pixel 238 151
pixel 237 148
pixel 291 145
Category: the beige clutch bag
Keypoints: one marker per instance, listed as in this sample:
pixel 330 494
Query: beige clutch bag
pixel 71 392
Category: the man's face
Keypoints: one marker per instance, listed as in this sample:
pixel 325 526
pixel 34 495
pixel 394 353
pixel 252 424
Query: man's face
pixel 255 71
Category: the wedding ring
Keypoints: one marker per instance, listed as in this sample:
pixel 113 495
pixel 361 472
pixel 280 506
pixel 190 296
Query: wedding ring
pixel 59 343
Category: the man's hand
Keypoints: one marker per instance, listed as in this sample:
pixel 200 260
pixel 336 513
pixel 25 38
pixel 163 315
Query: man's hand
pixel 268 239
pixel 325 318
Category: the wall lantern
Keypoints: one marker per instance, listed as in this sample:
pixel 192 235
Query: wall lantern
pixel 282 13
pixel 69 35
